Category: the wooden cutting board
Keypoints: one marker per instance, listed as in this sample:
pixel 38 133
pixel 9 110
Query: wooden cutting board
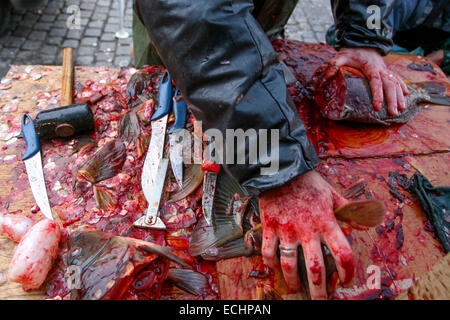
pixel 435 285
pixel 356 152
pixel 25 93
pixel 420 251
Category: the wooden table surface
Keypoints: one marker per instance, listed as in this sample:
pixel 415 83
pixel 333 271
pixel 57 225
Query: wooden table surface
pixel 25 94
pixel 420 251
pixel 350 152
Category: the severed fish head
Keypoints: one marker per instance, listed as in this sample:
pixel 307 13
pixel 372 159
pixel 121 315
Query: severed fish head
pixel 226 236
pixel 344 94
pixel 113 267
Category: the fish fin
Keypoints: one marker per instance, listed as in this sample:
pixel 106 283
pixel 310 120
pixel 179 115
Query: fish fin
pixel 368 213
pixel 435 92
pixel 235 248
pixel 230 204
pixel 188 280
pixel 193 177
pixel 160 250
pixel 438 99
pixel 224 229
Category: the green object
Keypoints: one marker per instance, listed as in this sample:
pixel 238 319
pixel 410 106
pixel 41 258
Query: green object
pixel 330 36
pixel 144 52
pixel 435 202
pixel 417 51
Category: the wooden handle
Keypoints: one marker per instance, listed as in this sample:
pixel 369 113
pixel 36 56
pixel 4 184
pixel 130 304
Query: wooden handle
pixel 67 77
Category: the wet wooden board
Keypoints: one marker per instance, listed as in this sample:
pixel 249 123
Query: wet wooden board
pixel 434 285
pixel 233 273
pixel 418 254
pixel 27 91
pixel 421 135
pixel 353 151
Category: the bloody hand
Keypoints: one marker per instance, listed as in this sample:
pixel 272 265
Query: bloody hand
pixel 370 62
pixel 302 213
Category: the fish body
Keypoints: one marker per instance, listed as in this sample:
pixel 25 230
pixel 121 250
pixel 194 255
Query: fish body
pixel 345 94
pixel 228 211
pixel 113 267
pixel 108 265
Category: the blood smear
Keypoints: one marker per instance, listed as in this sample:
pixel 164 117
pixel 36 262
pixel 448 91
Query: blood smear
pixel 10 107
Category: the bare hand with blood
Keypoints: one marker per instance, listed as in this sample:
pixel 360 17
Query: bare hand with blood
pixel 302 213
pixel 370 62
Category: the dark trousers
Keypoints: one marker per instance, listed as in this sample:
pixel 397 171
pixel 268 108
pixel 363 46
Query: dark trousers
pixel 272 15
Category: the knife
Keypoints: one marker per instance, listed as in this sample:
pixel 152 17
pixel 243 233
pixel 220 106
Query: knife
pixel 176 137
pixel 151 218
pixel 155 167
pixel 33 164
pixel 209 187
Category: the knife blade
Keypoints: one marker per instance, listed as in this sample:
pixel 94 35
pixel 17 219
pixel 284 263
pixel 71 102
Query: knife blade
pixel 151 219
pixel 154 155
pixel 155 167
pixel 209 188
pixel 176 155
pixel 176 134
pixel 33 164
pixel 153 176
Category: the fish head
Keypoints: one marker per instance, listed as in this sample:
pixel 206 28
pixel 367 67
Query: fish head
pixel 111 267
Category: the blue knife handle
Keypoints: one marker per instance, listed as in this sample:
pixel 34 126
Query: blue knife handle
pixel 164 97
pixel 30 136
pixel 179 111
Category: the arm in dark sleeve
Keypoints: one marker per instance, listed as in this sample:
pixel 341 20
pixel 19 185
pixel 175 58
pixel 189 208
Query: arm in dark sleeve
pixel 352 30
pixel 227 70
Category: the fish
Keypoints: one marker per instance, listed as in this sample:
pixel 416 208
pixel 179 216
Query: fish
pixel 104 163
pixel 140 84
pixel 188 280
pixel 192 179
pixel 344 94
pixel 246 246
pixel 237 233
pixel 230 206
pixel 330 270
pixel 114 267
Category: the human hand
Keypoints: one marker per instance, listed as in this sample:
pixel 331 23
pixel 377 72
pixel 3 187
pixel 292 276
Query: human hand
pixel 380 78
pixel 302 213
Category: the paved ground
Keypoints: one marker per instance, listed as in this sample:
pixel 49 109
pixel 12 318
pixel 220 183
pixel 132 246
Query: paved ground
pixel 310 21
pixel 38 36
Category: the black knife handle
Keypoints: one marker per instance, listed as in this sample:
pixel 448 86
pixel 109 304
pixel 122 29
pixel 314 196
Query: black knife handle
pixel 64 122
